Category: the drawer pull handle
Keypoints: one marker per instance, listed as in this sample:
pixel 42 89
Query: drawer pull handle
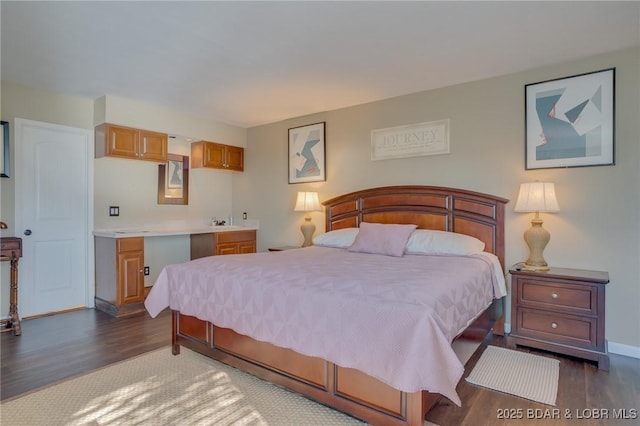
pixel 554 325
pixel 554 295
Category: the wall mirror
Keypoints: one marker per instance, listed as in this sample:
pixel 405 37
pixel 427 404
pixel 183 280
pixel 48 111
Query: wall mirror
pixel 173 180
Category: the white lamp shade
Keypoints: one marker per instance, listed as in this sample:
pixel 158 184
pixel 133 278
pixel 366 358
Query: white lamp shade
pixel 307 202
pixel 537 197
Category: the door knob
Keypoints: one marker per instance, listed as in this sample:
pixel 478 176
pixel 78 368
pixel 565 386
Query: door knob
pixel 27 232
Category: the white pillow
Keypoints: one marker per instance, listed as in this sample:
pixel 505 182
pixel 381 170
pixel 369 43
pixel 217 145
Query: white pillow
pixel 340 238
pixel 426 241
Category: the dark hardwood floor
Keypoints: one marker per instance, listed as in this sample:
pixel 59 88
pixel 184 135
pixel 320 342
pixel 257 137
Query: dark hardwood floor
pixel 586 396
pixel 65 345
pixel 61 346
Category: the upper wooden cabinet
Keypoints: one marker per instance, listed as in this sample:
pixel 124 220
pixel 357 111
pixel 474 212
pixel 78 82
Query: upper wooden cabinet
pixel 126 142
pixel 217 156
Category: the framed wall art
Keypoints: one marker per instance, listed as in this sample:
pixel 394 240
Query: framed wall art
pixel 4 150
pixel 307 161
pixel 173 180
pixel 570 121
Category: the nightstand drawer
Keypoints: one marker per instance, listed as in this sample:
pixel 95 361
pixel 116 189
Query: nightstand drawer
pixel 580 299
pixel 572 330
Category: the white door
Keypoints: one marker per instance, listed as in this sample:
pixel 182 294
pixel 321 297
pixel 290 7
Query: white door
pixel 54 216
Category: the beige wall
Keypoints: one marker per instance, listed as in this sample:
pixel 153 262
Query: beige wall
pixel 597 228
pixel 143 115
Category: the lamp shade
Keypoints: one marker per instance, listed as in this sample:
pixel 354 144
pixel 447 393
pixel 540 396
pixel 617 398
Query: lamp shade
pixel 307 202
pixel 537 197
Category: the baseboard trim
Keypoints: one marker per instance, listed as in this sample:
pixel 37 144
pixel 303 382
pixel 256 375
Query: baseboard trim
pixel 613 347
pixel 625 350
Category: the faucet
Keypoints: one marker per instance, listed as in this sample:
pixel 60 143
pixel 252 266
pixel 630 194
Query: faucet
pixel 216 222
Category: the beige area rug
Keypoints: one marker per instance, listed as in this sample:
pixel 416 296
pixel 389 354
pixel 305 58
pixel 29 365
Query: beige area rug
pixel 161 389
pixel 521 374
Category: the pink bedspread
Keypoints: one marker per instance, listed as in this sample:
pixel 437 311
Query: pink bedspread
pixel 385 316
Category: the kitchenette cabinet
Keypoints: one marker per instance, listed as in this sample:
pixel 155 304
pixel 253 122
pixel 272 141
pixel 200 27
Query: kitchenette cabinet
pixel 222 243
pixel 118 141
pixel 217 156
pixel 120 275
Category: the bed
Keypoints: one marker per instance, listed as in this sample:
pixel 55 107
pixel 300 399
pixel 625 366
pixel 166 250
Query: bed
pixel 372 352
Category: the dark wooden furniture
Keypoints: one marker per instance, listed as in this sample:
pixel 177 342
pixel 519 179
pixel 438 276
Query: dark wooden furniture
pixel 222 243
pixel 344 389
pixel 11 250
pixel 561 310
pixel 283 248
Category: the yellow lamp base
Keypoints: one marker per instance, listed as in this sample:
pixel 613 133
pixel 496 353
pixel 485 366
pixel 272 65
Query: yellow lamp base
pixel 536 238
pixel 307 229
pixel 535 268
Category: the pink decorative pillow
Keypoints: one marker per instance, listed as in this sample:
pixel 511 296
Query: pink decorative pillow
pixel 378 238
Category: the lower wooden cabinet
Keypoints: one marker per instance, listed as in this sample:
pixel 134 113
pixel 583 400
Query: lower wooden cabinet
pixel 130 268
pixel 120 275
pixel 222 243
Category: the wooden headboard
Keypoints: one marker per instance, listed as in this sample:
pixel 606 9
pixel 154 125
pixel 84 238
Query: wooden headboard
pixel 429 207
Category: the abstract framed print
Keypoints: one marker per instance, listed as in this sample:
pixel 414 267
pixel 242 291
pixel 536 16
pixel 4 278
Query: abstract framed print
pixel 570 121
pixel 307 160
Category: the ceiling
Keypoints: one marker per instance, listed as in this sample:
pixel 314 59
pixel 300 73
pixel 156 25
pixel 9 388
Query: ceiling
pixel 251 63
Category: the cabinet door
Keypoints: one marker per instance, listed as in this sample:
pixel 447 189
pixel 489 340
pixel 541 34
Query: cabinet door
pixel 153 146
pixel 235 158
pixel 122 142
pixel 130 277
pixel 247 247
pixel 226 248
pixel 214 155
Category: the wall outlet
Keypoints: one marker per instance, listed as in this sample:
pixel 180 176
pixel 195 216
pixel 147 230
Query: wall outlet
pixel 146 270
pixel 114 210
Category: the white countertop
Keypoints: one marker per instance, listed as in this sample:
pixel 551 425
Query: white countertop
pixel 169 229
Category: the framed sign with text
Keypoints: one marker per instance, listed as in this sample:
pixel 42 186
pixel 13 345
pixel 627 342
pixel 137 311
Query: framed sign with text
pixel 430 138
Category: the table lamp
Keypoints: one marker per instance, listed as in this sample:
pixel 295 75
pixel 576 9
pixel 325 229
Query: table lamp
pixel 307 202
pixel 536 197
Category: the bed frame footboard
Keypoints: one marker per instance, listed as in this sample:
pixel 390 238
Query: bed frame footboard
pixel 344 389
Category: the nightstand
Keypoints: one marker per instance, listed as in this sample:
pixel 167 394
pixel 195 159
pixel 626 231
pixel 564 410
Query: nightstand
pixel 282 248
pixel 561 310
